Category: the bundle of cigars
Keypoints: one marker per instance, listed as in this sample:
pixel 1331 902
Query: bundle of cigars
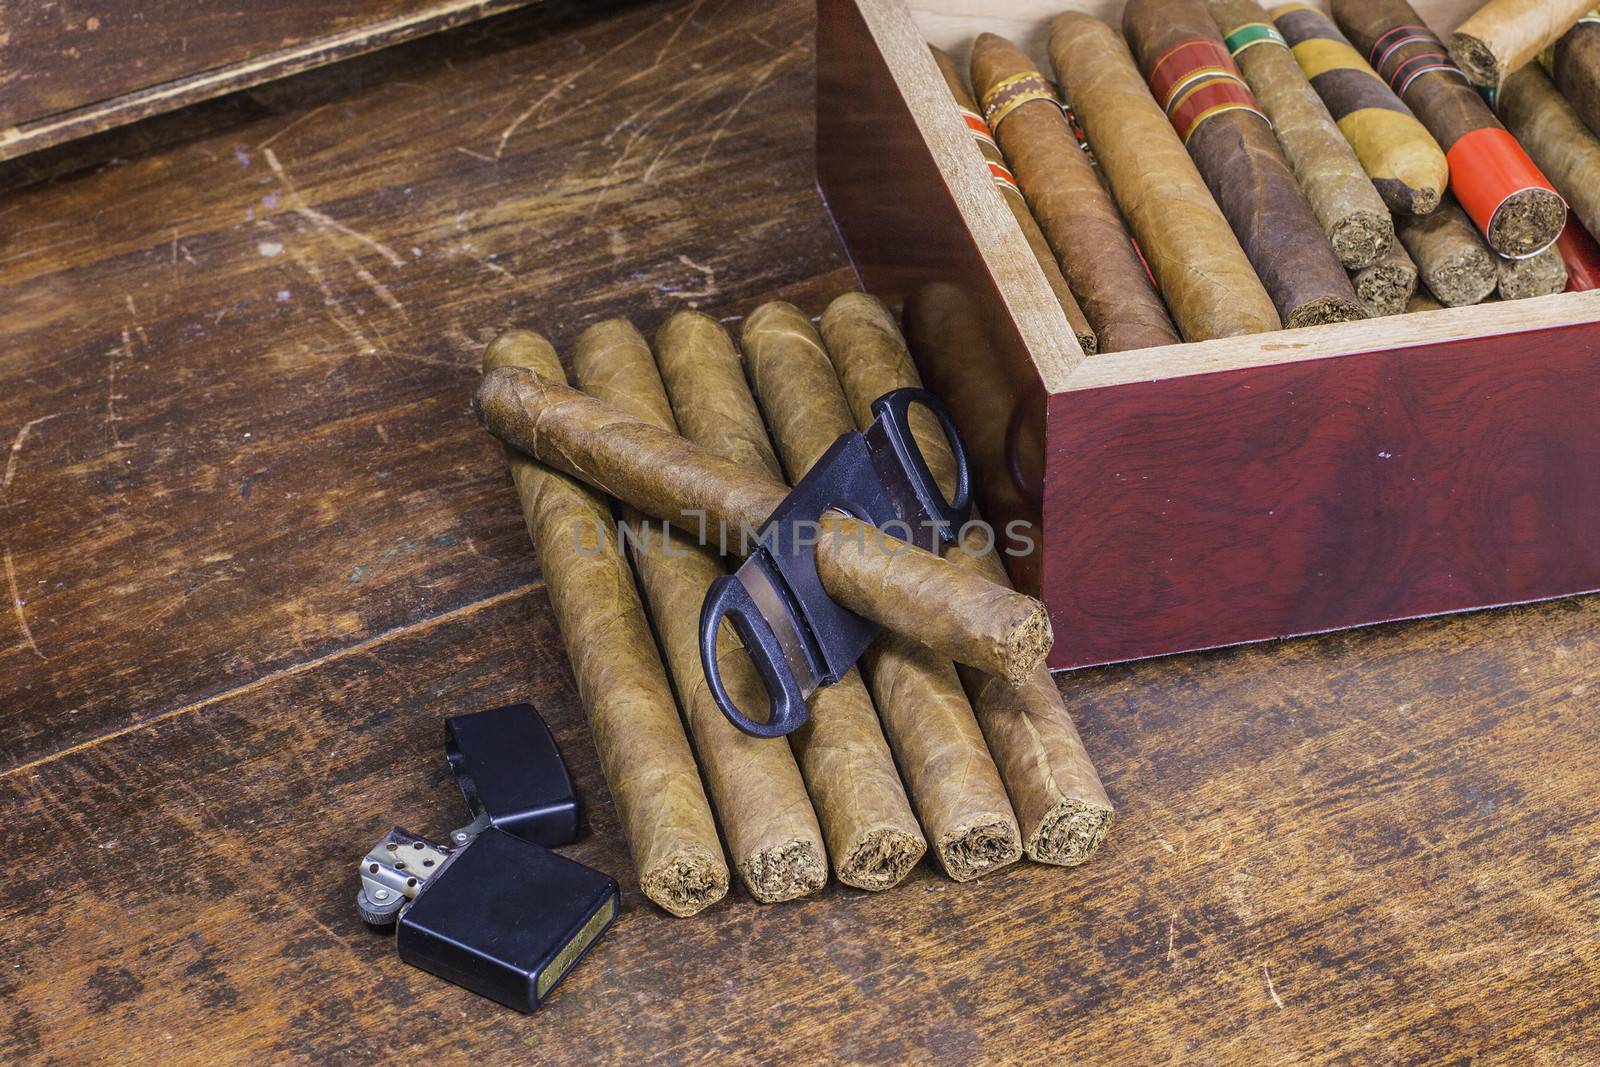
pixel 1215 168
pixel 950 739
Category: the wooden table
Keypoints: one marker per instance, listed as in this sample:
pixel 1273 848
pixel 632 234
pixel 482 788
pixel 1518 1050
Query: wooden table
pixel 255 549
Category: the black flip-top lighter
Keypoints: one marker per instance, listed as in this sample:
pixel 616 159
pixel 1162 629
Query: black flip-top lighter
pixel 494 910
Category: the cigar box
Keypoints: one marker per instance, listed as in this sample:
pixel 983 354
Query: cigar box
pixel 1220 492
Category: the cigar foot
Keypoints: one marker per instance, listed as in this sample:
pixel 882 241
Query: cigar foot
pixel 1542 275
pixel 881 860
pixel 690 882
pixel 1463 279
pixel 1362 239
pixel 1407 199
pixel 786 872
pixel 1476 58
pixel 1029 645
pixel 1070 834
pixel 983 845
pixel 1385 287
pixel 1324 310
pixel 1527 222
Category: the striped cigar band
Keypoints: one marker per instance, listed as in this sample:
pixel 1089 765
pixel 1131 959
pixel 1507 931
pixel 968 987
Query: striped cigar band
pixel 1008 94
pixel 979 128
pixel 1399 70
pixel 1077 132
pixel 1251 34
pixel 1196 80
pixel 1003 177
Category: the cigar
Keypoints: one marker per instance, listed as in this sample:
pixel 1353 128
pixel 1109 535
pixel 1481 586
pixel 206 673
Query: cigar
pixel 1557 139
pixel 926 716
pixel 1405 163
pixel 1503 35
pixel 760 799
pixel 1543 274
pixel 1006 182
pixel 1574 65
pixel 1209 286
pixel 869 572
pixel 1062 806
pixel 1076 214
pixel 1512 203
pixel 1352 214
pixel 643 753
pixel 1581 255
pixel 1230 139
pixel 1387 285
pixel 867 822
pixel 1455 264
pixel 1422 300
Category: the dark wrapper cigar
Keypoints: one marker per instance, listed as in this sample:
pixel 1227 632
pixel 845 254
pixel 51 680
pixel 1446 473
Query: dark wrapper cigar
pixel 1405 163
pixel 1062 807
pixel 1557 139
pixel 925 714
pixel 643 753
pixel 1455 264
pixel 755 786
pixel 1387 286
pixel 666 477
pixel 1574 65
pixel 1209 286
pixel 1218 119
pixel 1503 35
pixel 1539 275
pixel 1347 205
pixel 1513 204
pixel 1076 214
pixel 1006 182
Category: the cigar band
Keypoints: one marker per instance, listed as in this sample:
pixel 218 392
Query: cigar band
pixel 1251 34
pixel 1077 132
pixel 1487 168
pixel 1004 178
pixel 1401 71
pixel 1008 94
pixel 978 127
pixel 1196 80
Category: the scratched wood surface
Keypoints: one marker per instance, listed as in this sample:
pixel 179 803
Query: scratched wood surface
pixel 255 549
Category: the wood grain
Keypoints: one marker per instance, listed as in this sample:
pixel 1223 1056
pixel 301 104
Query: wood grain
pixel 1376 846
pixel 99 65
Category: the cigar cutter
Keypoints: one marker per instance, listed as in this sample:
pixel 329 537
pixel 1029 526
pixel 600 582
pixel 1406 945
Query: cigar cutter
pixel 797 636
pixel 494 910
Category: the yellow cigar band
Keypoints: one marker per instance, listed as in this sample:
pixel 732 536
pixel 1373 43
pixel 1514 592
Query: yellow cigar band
pixel 1008 94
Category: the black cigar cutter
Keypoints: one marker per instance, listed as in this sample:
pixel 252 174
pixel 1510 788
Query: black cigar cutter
pixel 799 638
pixel 494 910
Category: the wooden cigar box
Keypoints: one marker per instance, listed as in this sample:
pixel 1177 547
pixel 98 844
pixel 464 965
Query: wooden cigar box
pixel 1220 492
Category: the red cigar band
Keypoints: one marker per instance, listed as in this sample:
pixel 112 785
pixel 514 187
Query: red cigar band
pixel 1197 79
pixel 1581 255
pixel 1487 167
pixel 1004 178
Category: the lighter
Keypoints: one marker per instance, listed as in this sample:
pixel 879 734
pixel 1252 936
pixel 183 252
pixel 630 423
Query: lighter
pixel 494 910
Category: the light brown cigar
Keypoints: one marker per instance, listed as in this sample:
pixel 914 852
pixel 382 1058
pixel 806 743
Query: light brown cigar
pixel 1386 286
pixel 1075 211
pixel 1019 208
pixel 1422 300
pixel 1557 138
pixel 1455 263
pixel 1210 287
pixel 926 715
pixel 1538 275
pixel 643 754
pixel 873 574
pixel 866 819
pixel 1503 35
pixel 772 832
pixel 1341 195
pixel 1063 808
